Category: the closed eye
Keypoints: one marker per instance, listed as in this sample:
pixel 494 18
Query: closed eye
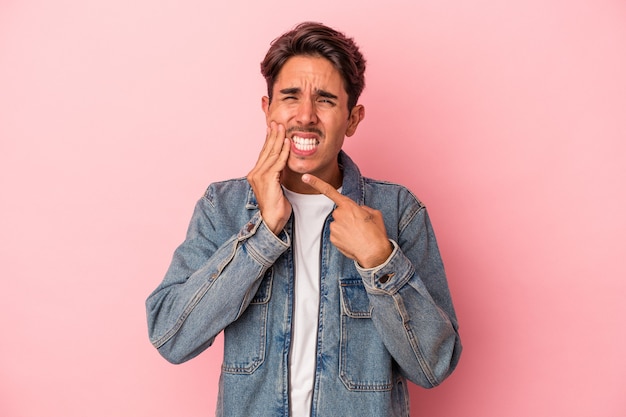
pixel 290 93
pixel 326 101
pixel 326 97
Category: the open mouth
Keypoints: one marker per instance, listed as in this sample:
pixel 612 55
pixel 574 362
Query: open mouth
pixel 304 144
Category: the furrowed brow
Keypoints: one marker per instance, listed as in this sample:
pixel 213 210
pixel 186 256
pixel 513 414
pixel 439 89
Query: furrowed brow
pixel 326 94
pixel 290 91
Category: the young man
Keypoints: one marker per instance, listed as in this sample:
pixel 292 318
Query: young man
pixel 329 286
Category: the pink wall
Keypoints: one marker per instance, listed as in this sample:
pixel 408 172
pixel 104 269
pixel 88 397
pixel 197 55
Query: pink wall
pixel 507 118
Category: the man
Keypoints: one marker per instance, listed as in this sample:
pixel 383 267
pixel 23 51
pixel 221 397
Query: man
pixel 329 286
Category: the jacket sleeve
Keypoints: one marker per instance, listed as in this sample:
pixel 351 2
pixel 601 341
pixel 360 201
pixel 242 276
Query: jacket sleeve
pixel 209 283
pixel 411 305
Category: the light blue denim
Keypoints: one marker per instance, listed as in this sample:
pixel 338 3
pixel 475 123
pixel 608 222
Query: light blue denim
pixel 377 327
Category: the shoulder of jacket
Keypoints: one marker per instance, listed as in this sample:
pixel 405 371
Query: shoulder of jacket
pixel 225 189
pixel 387 189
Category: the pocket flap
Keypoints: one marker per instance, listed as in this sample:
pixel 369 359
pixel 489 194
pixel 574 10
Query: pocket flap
pixel 354 300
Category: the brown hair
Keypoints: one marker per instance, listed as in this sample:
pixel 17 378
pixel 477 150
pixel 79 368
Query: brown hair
pixel 315 39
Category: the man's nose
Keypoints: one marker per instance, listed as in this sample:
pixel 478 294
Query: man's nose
pixel 306 113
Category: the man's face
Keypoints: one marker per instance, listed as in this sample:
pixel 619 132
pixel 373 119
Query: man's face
pixel 310 101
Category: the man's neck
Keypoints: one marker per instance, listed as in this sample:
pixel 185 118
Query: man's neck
pixel 293 182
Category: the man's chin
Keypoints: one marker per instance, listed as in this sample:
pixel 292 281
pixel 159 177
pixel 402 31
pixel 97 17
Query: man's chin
pixel 299 165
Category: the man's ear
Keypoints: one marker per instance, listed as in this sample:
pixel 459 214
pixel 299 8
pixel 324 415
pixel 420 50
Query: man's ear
pixel 356 115
pixel 265 105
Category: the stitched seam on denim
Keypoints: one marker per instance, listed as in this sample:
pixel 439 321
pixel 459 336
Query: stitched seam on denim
pixel 415 346
pixel 345 379
pixel 414 207
pixel 398 283
pixel 199 294
pixel 346 306
pixel 255 253
pixel 257 256
pixel 346 316
pixel 266 286
pixel 258 361
pixel 406 219
pixel 210 192
pixel 190 307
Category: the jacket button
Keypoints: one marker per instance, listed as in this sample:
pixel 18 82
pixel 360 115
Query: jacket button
pixel 384 278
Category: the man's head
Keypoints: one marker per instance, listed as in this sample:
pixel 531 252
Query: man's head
pixel 317 40
pixel 314 77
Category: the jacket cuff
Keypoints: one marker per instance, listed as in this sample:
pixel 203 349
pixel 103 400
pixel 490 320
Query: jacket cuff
pixel 390 276
pixel 261 243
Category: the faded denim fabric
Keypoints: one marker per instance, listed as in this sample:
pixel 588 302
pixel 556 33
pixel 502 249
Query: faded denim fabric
pixel 377 327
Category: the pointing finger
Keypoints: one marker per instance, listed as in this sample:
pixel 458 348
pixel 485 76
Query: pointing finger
pixel 325 188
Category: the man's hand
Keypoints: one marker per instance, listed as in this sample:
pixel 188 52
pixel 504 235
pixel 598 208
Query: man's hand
pixel 265 179
pixel 357 231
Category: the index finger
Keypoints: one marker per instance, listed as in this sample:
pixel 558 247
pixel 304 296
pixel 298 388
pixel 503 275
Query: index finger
pixel 325 188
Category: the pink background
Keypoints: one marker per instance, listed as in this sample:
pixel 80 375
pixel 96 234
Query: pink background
pixel 506 118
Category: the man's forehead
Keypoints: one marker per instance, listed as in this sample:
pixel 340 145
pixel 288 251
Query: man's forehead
pixel 309 72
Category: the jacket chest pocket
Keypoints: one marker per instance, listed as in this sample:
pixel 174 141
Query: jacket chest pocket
pixel 365 364
pixel 245 339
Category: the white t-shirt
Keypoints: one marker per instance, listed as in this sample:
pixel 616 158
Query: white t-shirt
pixel 310 212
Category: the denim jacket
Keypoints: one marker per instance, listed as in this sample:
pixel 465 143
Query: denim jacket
pixel 376 327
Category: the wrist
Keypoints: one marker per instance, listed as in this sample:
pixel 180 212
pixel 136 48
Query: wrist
pixel 275 225
pixel 378 258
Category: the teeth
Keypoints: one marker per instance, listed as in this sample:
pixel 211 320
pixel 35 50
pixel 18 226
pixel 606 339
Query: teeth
pixel 304 144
